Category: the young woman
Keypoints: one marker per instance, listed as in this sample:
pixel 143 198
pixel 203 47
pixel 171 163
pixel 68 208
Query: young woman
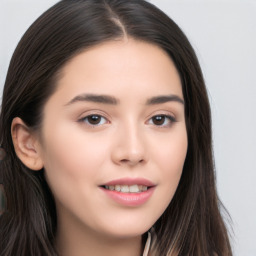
pixel 106 130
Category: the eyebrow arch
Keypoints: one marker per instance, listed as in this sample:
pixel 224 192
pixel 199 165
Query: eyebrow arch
pixel 164 99
pixel 104 99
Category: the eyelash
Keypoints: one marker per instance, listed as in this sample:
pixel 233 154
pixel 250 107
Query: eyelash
pixel 85 120
pixel 167 118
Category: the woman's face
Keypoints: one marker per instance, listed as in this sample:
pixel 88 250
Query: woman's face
pixel 116 122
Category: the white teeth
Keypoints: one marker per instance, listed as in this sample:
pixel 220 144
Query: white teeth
pixel 111 187
pixel 144 188
pixel 125 189
pixel 117 187
pixel 128 189
pixel 134 189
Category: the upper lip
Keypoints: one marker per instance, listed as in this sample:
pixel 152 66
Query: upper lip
pixel 130 181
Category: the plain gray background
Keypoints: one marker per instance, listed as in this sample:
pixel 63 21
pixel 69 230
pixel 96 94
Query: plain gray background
pixel 223 34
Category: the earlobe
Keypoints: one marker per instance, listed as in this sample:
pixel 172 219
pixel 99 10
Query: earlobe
pixel 26 145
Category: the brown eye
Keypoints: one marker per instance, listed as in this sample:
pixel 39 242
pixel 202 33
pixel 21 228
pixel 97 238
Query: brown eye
pixel 94 120
pixel 162 120
pixel 158 120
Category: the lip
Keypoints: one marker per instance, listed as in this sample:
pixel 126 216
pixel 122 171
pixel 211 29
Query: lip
pixel 129 199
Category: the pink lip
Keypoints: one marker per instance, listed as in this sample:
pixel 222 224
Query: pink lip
pixel 130 199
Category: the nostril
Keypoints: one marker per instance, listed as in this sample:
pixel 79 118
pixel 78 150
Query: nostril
pixel 124 160
pixel 128 155
pixel 132 161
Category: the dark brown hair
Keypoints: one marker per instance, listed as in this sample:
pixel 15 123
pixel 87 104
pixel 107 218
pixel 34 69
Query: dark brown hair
pixel 192 223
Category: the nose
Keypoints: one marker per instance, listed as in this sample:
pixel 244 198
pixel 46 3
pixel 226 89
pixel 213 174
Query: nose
pixel 129 147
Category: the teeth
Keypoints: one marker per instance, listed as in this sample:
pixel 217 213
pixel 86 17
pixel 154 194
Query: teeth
pixel 125 189
pixel 117 187
pixel 134 189
pixel 128 189
pixel 144 188
pixel 111 187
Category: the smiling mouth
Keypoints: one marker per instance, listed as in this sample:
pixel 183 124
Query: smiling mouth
pixel 127 188
pixel 131 192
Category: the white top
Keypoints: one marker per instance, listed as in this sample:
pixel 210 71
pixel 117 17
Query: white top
pixel 146 249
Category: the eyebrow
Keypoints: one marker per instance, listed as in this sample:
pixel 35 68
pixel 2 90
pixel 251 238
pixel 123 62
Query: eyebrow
pixel 110 100
pixel 163 99
pixel 104 99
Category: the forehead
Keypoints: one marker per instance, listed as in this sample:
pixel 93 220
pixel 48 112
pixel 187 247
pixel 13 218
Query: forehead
pixel 118 66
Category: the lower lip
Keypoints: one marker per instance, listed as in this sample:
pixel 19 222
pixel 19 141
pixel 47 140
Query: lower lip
pixel 129 199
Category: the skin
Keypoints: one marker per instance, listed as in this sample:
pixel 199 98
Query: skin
pixel 79 156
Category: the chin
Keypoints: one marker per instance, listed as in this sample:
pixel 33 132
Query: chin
pixel 128 233
pixel 123 228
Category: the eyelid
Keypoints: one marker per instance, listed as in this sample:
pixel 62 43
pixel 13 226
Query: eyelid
pixel 171 118
pixel 90 113
pixel 86 117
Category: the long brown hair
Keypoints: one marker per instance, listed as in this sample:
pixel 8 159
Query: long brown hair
pixel 192 223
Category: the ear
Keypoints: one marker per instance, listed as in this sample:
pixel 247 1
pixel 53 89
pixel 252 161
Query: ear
pixel 26 145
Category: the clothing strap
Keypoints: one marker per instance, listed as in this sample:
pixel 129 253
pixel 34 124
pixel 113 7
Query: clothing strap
pixel 147 246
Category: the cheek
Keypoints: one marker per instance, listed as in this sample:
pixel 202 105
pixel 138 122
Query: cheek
pixel 72 161
pixel 170 156
pixel 170 151
pixel 72 147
